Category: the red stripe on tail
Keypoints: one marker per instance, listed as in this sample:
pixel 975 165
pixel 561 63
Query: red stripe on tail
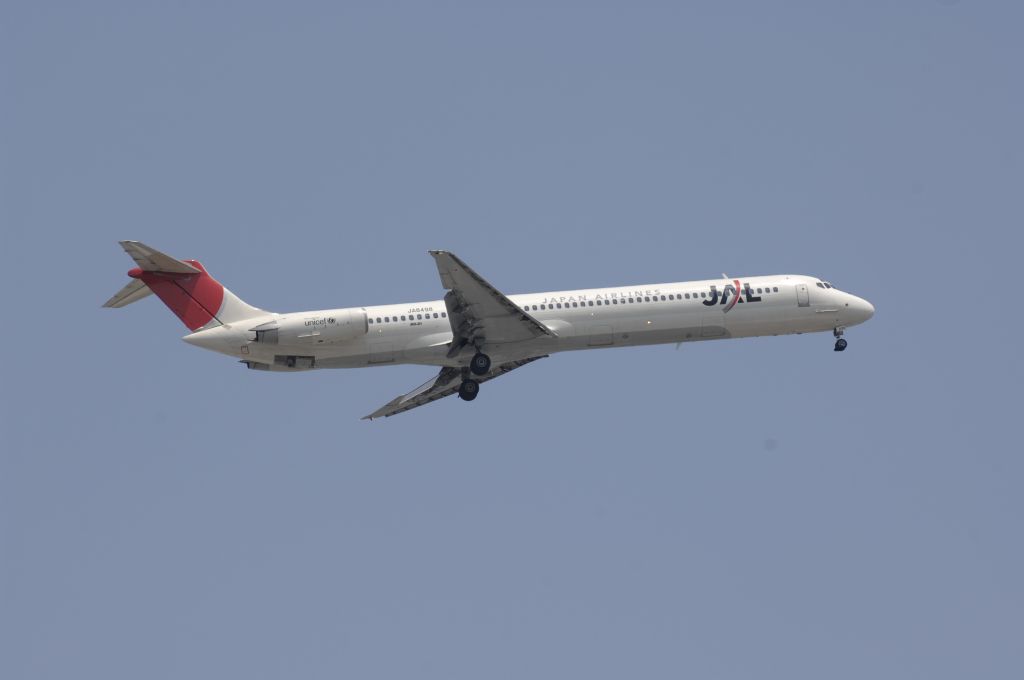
pixel 194 298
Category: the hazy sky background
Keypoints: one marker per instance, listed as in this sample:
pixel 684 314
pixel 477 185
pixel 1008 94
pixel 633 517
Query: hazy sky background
pixel 748 509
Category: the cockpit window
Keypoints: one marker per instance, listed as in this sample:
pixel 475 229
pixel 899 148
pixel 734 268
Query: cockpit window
pixel 819 284
pixel 828 285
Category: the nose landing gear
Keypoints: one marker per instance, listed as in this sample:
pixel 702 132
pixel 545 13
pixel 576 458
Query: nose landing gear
pixel 840 341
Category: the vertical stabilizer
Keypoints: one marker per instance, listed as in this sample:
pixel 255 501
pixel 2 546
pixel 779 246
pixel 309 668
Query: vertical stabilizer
pixel 188 290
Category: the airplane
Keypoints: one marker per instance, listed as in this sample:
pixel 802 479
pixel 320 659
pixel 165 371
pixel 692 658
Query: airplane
pixel 476 333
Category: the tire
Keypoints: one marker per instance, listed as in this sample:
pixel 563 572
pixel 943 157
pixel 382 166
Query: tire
pixel 469 389
pixel 840 344
pixel 480 364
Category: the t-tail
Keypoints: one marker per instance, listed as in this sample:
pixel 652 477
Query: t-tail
pixel 195 297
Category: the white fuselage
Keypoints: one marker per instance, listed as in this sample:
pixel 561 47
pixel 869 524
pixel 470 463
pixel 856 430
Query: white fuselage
pixel 420 333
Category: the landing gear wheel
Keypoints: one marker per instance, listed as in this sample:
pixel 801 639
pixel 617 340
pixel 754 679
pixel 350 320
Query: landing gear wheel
pixel 480 364
pixel 469 389
pixel 837 332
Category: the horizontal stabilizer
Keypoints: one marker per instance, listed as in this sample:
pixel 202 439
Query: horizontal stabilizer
pixel 184 286
pixel 152 260
pixel 133 292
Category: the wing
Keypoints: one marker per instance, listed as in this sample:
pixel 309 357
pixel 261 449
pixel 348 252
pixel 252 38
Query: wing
pixel 478 312
pixel 445 384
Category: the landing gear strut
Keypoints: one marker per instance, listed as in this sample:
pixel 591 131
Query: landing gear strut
pixel 840 341
pixel 480 364
pixel 469 389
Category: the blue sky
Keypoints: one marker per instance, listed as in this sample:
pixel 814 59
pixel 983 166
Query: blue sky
pixel 756 508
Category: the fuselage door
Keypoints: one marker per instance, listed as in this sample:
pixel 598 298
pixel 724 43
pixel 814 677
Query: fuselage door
pixel 803 297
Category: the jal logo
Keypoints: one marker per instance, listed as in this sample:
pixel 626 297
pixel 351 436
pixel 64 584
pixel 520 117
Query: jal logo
pixel 728 295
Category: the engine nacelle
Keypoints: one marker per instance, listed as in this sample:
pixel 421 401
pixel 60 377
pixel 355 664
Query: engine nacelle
pixel 315 328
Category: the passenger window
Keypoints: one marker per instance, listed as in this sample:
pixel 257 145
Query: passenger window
pixel 615 301
pixel 590 304
pixel 370 320
pixel 419 316
pixel 403 317
pixel 758 291
pixel 662 298
pixel 378 319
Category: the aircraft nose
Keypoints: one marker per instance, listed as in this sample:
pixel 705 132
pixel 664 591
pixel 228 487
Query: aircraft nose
pixel 861 309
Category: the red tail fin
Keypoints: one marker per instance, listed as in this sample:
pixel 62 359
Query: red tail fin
pixel 184 286
pixel 194 298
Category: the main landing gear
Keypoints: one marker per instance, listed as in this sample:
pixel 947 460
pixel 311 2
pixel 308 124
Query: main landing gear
pixel 469 389
pixel 840 341
pixel 480 364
